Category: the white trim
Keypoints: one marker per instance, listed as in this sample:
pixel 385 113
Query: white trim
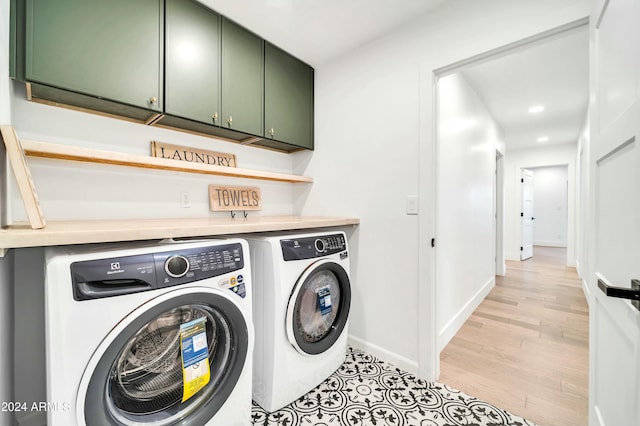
pixel 587 292
pixel 543 243
pixel 399 361
pixel 449 331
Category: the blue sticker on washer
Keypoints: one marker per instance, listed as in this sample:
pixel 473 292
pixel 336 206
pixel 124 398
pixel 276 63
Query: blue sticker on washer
pixel 324 300
pixel 239 289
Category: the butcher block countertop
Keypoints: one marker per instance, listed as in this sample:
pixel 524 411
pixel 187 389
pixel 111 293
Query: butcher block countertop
pixel 101 231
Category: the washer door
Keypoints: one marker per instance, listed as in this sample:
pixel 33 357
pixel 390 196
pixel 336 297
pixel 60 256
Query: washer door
pixel 318 308
pixel 136 375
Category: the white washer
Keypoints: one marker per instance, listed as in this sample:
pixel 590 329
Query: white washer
pixel 302 296
pixel 115 353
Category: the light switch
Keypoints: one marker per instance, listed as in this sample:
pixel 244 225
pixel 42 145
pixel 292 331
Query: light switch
pixel 412 204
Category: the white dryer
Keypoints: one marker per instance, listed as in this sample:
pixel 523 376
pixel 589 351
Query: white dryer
pixel 302 296
pixel 131 332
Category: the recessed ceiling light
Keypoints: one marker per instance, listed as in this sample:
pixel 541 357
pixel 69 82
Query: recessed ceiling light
pixel 536 109
pixel 543 139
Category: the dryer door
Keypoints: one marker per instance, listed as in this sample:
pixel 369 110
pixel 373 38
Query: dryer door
pixel 136 375
pixel 318 309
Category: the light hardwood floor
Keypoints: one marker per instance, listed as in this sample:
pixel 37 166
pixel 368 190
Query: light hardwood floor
pixel 525 349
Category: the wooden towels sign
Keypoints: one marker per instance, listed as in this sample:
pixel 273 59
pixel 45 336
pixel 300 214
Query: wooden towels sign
pixel 192 155
pixel 229 198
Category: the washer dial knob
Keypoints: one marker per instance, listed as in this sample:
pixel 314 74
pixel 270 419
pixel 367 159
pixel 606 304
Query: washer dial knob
pixel 320 245
pixel 176 266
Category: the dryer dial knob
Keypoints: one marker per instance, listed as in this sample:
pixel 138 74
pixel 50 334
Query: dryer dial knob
pixel 321 246
pixel 176 266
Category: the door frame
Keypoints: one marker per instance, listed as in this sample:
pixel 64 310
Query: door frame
pixel 572 194
pixel 501 266
pixel 428 353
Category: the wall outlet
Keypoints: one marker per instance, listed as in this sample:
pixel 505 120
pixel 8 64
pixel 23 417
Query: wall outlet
pixel 185 199
pixel 412 204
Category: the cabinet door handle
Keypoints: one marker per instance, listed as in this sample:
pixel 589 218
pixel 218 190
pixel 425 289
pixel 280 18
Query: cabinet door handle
pixel 272 132
pixel 230 121
pixel 153 100
pixel 214 117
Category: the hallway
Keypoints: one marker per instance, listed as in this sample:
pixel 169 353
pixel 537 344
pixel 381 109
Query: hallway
pixel 526 347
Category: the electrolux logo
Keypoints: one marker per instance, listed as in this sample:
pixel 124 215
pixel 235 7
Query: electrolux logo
pixel 115 268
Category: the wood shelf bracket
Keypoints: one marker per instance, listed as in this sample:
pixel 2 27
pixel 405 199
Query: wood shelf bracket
pixel 21 171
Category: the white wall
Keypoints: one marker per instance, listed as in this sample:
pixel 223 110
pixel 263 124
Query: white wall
pixel 465 203
pixel 582 204
pixel 516 160
pixel 374 136
pixel 76 191
pixel 550 206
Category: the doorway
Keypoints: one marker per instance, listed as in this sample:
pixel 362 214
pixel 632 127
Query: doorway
pixel 469 131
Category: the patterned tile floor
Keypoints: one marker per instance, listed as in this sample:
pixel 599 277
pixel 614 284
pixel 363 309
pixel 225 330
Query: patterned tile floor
pixel 366 391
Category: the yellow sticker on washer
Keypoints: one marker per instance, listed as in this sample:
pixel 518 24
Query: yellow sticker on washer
pixel 195 357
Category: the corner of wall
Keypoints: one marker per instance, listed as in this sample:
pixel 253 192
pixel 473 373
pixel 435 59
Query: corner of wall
pixel 451 328
pixel 398 360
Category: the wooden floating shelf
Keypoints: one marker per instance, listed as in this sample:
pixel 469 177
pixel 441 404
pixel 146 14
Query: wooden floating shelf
pixel 89 155
pixel 101 231
pixel 38 233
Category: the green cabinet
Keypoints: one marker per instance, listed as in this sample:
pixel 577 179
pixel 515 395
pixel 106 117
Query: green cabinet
pixel 242 79
pixel 213 73
pixel 192 54
pixel 105 49
pixel 288 96
pixel 172 63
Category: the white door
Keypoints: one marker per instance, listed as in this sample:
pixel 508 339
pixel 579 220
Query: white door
pixel 526 248
pixel 615 222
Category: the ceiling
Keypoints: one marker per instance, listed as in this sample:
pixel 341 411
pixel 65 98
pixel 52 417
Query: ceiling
pixel 554 74
pixel 317 31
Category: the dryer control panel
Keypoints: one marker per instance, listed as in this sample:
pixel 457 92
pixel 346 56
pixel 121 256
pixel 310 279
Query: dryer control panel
pixel 310 247
pixel 116 276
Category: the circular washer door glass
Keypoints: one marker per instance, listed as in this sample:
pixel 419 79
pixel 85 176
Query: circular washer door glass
pixel 319 308
pixel 309 321
pixel 147 376
pixel 139 380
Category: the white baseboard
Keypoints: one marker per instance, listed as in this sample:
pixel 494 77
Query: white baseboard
pixel 550 243
pixel 35 418
pixel 512 256
pixel 398 360
pixel 587 292
pixel 452 327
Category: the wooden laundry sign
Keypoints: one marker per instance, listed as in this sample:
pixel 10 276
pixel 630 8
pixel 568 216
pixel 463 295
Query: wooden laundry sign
pixel 192 155
pixel 229 198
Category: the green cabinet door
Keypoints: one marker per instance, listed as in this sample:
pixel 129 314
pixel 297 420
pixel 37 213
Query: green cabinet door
pixel 288 96
pixel 192 66
pixel 106 49
pixel 242 79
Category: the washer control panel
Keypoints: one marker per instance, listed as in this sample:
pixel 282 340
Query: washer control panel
pixel 115 276
pixel 310 247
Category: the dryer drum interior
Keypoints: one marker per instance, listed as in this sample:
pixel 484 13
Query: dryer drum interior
pixel 139 379
pixel 316 331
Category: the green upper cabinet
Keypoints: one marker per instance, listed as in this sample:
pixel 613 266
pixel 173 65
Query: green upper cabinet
pixel 106 49
pixel 192 53
pixel 242 79
pixel 288 96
